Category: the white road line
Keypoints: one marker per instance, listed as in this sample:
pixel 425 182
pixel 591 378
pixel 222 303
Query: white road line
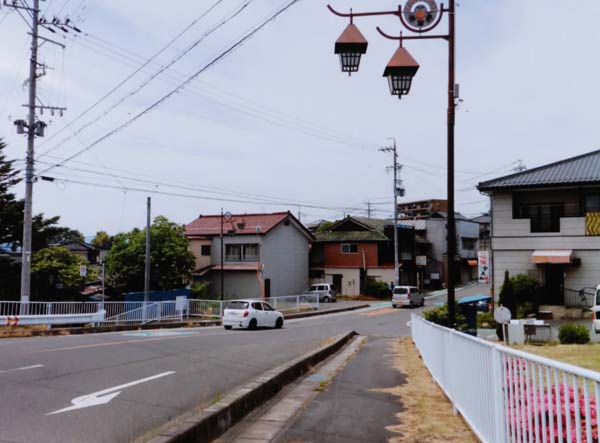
pixel 21 369
pixel 106 395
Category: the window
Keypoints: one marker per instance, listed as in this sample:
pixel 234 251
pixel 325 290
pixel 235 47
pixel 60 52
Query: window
pixel 400 290
pixel 468 243
pixel 267 307
pixel 257 306
pixel 248 252
pixel 349 248
pixel 592 203
pixel 545 218
pixel 233 252
pixel 237 305
pixel 205 250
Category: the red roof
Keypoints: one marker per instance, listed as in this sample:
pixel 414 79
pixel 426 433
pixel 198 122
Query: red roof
pixel 210 225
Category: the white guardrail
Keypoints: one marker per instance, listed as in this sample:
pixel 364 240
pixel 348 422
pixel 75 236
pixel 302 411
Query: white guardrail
pixel 61 319
pixel 506 395
pixel 131 313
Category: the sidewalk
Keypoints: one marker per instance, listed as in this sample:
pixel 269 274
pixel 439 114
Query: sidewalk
pixel 384 394
pixel 351 409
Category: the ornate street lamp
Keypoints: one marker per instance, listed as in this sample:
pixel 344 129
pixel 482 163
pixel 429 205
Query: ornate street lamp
pixel 350 46
pixel 400 71
pixel 419 17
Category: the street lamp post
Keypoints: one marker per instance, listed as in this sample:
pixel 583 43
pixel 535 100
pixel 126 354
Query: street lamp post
pixel 419 17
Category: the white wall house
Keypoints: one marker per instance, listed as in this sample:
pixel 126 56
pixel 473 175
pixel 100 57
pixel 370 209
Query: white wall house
pixel 546 224
pixel 262 254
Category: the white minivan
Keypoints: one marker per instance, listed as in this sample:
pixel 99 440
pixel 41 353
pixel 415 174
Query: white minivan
pixel 596 311
pixel 407 296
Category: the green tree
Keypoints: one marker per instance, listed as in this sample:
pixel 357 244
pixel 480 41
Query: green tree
pixel 170 258
pixel 102 240
pixel 55 272
pixel 508 300
pixel 325 226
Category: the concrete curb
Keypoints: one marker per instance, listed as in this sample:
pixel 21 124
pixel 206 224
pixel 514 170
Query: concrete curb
pixel 328 311
pixel 216 419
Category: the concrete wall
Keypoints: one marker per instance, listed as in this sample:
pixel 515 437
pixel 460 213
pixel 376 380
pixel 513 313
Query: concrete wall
pixel 350 280
pixel 284 253
pixel 436 234
pixel 238 284
pixel 467 229
pixel 196 249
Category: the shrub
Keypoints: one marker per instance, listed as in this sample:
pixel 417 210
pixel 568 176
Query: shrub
pixel 486 320
pixel 573 334
pixel 201 291
pixel 377 289
pixel 439 315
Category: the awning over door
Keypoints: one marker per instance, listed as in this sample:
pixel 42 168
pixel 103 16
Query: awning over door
pixel 552 256
pixel 472 262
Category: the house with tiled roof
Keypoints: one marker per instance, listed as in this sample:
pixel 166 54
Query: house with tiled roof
pixel 546 223
pixel 355 250
pixel 262 254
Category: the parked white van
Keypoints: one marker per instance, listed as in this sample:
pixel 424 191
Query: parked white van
pixel 407 296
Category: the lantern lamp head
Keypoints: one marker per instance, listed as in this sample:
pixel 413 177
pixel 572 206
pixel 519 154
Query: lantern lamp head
pixel 351 45
pixel 400 71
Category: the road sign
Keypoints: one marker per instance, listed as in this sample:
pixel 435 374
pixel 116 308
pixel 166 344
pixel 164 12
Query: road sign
pixel 502 315
pixel 484 266
pixel 82 271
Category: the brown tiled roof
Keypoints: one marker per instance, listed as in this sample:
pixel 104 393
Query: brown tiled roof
pixel 210 225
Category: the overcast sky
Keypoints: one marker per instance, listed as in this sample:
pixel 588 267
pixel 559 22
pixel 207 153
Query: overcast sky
pixel 277 121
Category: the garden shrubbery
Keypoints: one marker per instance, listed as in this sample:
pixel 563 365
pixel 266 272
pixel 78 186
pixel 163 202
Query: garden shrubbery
pixel 439 315
pixel 377 289
pixel 573 334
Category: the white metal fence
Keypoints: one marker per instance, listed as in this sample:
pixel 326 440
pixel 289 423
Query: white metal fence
pixel 133 312
pixel 506 395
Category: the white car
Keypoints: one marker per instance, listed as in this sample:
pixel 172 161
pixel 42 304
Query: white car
pixel 407 296
pixel 251 314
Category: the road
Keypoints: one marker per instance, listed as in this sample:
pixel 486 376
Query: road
pixel 116 387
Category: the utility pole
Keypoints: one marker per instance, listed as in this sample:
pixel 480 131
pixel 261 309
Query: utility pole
pixel 369 209
pixel 222 251
pixel 520 167
pixel 147 271
pixel 398 191
pixel 32 128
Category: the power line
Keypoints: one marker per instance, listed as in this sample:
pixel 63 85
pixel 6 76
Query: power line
pixel 198 197
pixel 126 79
pixel 156 104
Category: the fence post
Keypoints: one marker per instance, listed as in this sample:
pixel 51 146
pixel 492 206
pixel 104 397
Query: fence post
pixel 499 406
pixel 49 309
pixel 297 303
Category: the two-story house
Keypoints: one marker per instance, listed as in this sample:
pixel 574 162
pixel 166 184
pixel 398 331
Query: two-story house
pixel 356 249
pixel 432 246
pixel 263 254
pixel 546 223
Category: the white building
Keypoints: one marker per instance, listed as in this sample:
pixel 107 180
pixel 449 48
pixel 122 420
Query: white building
pixel 546 223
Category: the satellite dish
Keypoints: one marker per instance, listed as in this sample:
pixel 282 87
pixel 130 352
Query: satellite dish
pixel 502 315
pixel 227 216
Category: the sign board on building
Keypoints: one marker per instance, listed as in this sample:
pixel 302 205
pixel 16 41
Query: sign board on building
pixel 421 260
pixel 82 271
pixel 435 275
pixel 484 266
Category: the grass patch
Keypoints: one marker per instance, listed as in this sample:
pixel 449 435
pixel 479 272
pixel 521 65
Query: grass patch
pixel 427 416
pixel 585 356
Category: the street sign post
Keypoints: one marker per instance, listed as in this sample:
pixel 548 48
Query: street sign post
pixel 502 315
pixel 82 271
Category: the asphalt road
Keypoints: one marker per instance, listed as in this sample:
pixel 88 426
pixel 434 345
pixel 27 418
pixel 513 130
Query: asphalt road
pixel 128 384
pixel 206 362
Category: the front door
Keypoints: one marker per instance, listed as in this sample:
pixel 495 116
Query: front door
pixel 337 281
pixel 554 277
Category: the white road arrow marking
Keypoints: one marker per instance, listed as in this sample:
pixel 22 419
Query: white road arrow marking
pixel 21 369
pixel 106 395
